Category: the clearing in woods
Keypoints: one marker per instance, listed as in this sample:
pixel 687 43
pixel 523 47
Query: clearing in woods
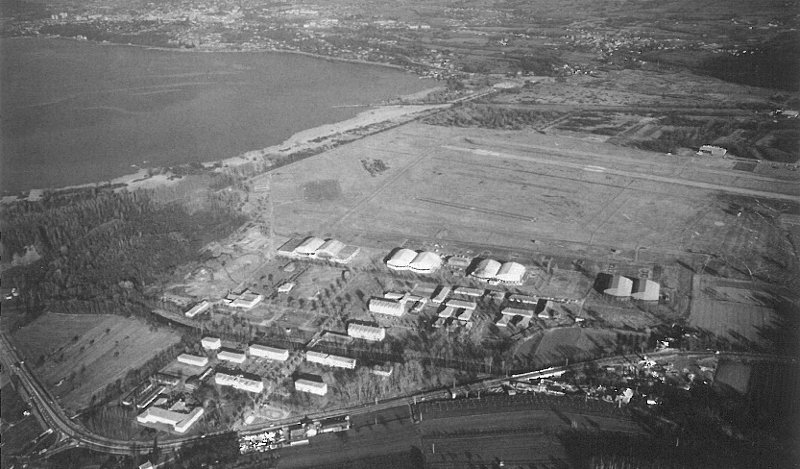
pixel 78 355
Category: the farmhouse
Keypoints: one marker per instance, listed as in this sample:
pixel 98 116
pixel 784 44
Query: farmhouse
pixel 197 309
pixel 645 290
pixel 193 360
pixel 270 353
pixel 367 332
pixel 330 360
pixel 620 287
pixel 211 343
pixel 314 387
pixel 180 421
pixel 388 307
pixel 233 356
pixel 239 380
pixel 401 259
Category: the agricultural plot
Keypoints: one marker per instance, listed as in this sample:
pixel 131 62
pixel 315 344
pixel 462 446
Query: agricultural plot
pixel 76 356
pixel 554 346
pixel 738 311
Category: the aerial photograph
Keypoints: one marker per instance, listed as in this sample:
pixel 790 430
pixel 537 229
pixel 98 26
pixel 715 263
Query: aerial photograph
pixel 439 234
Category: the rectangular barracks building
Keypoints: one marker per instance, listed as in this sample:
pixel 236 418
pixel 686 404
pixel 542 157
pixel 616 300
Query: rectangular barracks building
pixel 180 422
pixel 387 307
pixel 239 380
pixel 270 353
pixel 366 332
pixel 314 387
pixel 330 360
pixel 192 359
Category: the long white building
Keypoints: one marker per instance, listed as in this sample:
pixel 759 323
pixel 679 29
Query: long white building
pixel 270 353
pixel 179 421
pixel 198 308
pixel 192 359
pixel 388 307
pixel 239 380
pixel 233 356
pixel 366 332
pixel 313 387
pixel 330 360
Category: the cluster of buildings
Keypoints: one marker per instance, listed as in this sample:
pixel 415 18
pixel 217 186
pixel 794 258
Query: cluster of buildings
pixel 313 247
pixel 290 435
pixel 523 308
pixel 642 289
pixel 241 300
pixel 422 262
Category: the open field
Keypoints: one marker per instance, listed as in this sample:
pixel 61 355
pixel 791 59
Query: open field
pixel 76 356
pixel 553 347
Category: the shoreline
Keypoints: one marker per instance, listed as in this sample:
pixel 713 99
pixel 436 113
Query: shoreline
pixel 307 140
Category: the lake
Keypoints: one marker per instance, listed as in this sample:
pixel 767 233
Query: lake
pixel 76 112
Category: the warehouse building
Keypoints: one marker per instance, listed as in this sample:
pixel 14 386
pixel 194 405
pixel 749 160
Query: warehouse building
pixel 310 246
pixel 211 343
pixel 511 273
pixel 508 311
pixel 330 360
pixel 461 304
pixel 468 291
pixel 198 308
pixel 388 307
pixel 193 360
pixel 441 295
pixel 270 353
pixel 233 356
pixel 179 421
pixel 239 380
pixel 366 332
pixel 645 290
pixel 330 249
pixel 314 387
pixel 620 287
pixel 486 270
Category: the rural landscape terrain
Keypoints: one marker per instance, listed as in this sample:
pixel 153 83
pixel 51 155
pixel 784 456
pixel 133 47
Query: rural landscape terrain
pixel 576 247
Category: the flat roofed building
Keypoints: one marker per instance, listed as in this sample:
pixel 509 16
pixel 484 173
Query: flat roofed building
pixel 645 290
pixel 468 291
pixel 546 309
pixel 179 421
pixel 511 312
pixel 447 312
pixel 511 272
pixel 504 320
pixel 712 150
pixel 198 308
pixel 620 287
pixel 330 360
pixel 288 248
pixel 388 307
pixel 270 353
pixel 193 360
pixel 486 269
pixel 526 299
pixel 239 380
pixel 426 262
pixel 233 356
pixel 313 387
pixel 366 332
pixel 211 343
pixel 394 295
pixel 286 287
pixel 441 295
pixel 309 246
pixel 401 259
pixel 466 315
pixel 347 254
pixel 329 249
pixel 458 262
pixel 461 304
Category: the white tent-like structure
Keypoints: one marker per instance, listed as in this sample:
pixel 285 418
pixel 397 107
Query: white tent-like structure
pixel 621 287
pixel 401 259
pixel 330 249
pixel 511 272
pixel 426 262
pixel 486 270
pixel 646 290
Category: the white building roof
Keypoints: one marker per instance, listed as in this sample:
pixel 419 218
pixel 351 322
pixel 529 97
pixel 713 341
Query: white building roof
pixel 447 312
pixel 511 312
pixel 180 422
pixel 486 269
pixel 309 246
pixel 401 259
pixel 314 387
pixel 384 306
pixel 511 272
pixel 192 359
pixel 461 304
pixel 620 287
pixel 265 351
pixel 646 290
pixel 330 248
pixel 426 261
pixel 211 343
pixel 365 331
pixel 232 356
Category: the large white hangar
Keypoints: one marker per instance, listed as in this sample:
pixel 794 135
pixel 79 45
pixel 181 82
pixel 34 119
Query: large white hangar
pixel 645 290
pixel 423 262
pixel 315 247
pixel 310 246
pixel 490 270
pixel 620 287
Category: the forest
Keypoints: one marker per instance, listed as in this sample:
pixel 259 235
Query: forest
pixel 97 251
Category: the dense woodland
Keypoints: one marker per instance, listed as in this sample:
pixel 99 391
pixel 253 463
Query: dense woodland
pixel 97 251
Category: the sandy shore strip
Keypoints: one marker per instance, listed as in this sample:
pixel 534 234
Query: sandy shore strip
pixel 303 141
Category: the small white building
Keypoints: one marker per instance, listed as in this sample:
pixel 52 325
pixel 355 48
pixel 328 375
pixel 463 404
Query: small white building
pixel 712 150
pixel 193 360
pixel 388 307
pixel 330 360
pixel 211 343
pixel 366 332
pixel 286 287
pixel 244 300
pixel 198 308
pixel 313 387
pixel 270 353
pixel 233 356
pixel 179 421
